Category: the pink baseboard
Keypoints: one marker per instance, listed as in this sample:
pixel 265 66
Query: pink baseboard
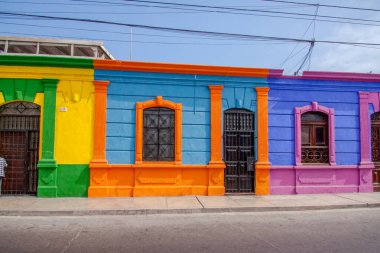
pixel 320 179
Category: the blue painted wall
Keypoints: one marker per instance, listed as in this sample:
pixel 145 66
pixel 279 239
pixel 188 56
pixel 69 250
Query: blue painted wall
pixel 286 94
pixel 127 88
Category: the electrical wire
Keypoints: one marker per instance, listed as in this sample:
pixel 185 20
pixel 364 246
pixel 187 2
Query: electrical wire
pixel 191 31
pixel 332 19
pixel 303 35
pixel 263 15
pixel 323 5
pixel 245 10
pixel 158 42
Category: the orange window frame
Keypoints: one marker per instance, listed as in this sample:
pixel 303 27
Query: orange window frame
pixel 159 102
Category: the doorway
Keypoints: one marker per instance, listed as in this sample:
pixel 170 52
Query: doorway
pixel 375 144
pixel 239 150
pixel 19 145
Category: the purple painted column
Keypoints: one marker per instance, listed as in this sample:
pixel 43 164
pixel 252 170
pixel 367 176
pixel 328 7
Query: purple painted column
pixel 365 157
pixel 366 165
pixel 298 138
pixel 332 160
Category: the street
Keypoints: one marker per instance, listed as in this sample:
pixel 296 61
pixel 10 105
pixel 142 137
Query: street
pixel 349 230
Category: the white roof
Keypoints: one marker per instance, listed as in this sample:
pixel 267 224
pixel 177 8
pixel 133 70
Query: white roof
pixel 56 47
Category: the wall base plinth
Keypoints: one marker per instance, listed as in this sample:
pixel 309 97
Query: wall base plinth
pixel 47 178
pixel 216 191
pixel 47 191
pixel 314 179
pixel 127 180
pixel 262 178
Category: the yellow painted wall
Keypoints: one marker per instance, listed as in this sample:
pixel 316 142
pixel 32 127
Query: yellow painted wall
pixel 74 128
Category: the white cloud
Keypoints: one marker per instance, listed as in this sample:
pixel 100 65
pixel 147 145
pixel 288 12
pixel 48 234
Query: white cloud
pixel 345 58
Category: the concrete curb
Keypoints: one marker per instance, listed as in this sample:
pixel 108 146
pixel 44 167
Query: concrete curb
pixel 180 211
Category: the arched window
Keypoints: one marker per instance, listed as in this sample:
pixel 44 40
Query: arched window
pixel 158 131
pixel 314 135
pixel 314 130
pixel 158 134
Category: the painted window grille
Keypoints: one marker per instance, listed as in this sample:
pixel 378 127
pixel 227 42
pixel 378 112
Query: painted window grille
pixel 158 134
pixel 314 131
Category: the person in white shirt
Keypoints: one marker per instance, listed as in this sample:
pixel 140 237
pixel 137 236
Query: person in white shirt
pixel 3 164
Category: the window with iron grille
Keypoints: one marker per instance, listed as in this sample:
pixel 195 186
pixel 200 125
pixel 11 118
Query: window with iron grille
pixel 314 131
pixel 158 134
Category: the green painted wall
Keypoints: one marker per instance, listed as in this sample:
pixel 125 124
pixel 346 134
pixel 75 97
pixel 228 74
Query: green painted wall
pixel 73 180
pixel 20 89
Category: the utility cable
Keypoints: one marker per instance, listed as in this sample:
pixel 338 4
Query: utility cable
pixel 323 5
pixel 303 35
pixel 190 31
pixel 246 10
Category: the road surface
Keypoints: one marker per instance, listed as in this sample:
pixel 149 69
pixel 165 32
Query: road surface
pixel 349 230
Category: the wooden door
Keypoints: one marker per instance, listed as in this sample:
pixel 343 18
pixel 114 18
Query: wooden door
pixel 239 125
pixel 375 143
pixel 19 145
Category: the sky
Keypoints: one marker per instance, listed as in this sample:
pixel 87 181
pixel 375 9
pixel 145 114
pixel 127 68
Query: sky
pixel 138 44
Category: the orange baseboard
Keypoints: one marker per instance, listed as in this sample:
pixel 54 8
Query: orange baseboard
pixel 155 180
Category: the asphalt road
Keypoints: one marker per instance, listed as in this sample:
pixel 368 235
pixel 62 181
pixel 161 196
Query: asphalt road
pixel 350 230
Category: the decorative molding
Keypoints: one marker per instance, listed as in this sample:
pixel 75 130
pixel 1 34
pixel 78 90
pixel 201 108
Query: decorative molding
pixel 45 61
pixel 328 76
pixel 179 68
pixel 159 102
pixel 314 107
pixel 365 99
pixel 315 167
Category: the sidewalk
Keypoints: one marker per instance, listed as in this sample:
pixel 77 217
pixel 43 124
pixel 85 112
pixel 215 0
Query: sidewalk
pixel 32 206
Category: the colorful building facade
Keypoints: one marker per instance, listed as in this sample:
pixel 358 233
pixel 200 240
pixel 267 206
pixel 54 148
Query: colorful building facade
pixel 51 158
pixel 332 152
pixel 131 161
pixel 72 127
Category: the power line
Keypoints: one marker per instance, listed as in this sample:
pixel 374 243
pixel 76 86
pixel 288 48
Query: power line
pixel 160 28
pixel 247 10
pixel 307 56
pixel 157 42
pixel 190 31
pixel 140 34
pixel 301 16
pixel 323 5
pixel 105 4
pixel 245 13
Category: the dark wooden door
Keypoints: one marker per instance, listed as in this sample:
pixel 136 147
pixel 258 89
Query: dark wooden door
pixel 12 148
pixel 239 150
pixel 19 145
pixel 375 143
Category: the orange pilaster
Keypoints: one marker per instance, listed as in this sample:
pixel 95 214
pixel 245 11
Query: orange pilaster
pixel 99 164
pixel 262 164
pixel 216 169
